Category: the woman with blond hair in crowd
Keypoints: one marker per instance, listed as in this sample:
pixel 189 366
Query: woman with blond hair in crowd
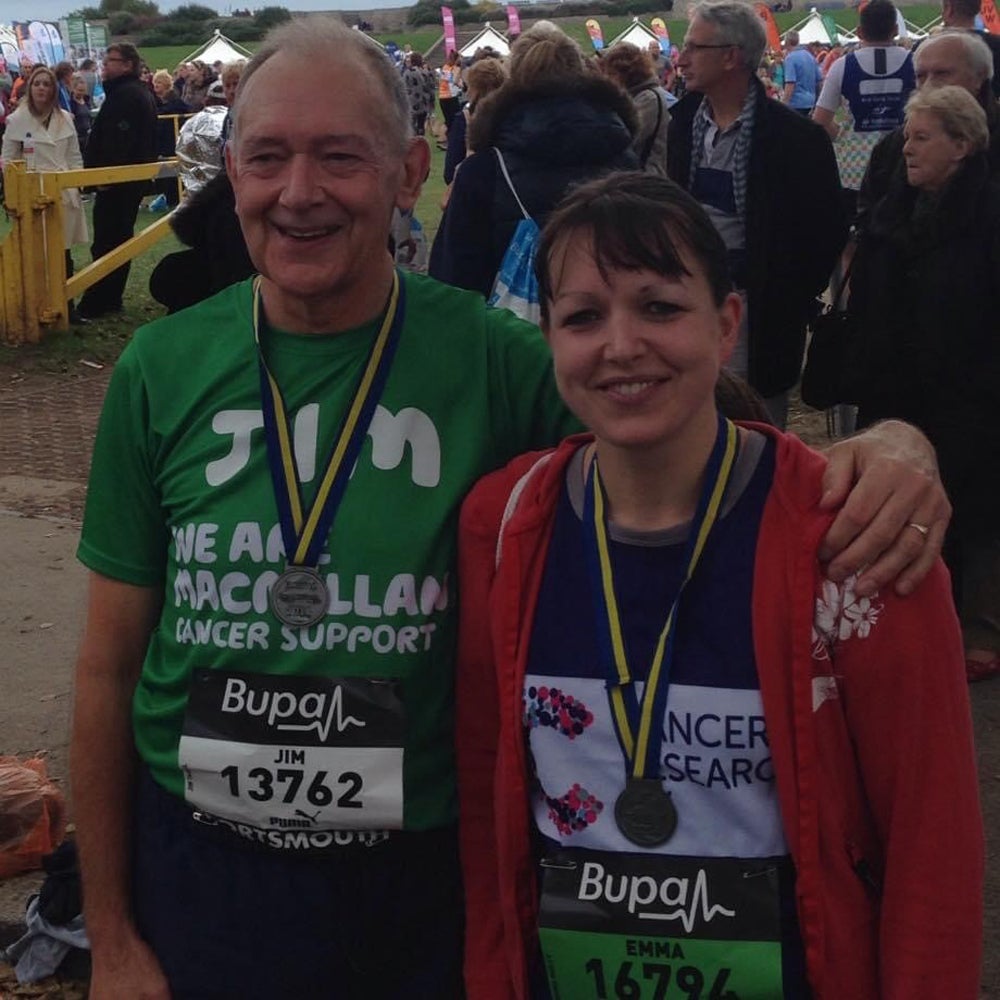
pixel 633 70
pixel 40 130
pixel 554 122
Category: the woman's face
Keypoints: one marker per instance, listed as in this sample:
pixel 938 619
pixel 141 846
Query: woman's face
pixel 931 155
pixel 229 84
pixel 80 90
pixel 636 354
pixel 161 87
pixel 43 91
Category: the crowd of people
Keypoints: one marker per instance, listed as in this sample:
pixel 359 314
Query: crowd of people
pixel 374 688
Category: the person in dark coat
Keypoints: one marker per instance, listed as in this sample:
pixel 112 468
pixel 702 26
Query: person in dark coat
pixel 925 293
pixel 482 78
pixel 124 132
pixel 556 122
pixel 773 192
pixel 217 257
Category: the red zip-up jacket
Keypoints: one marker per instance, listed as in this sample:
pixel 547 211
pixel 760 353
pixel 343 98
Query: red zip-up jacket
pixel 868 721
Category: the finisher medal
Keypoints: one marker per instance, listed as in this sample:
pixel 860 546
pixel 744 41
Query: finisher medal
pixel 299 597
pixel 645 813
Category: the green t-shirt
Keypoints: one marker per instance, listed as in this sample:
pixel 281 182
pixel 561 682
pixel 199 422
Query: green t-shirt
pixel 180 496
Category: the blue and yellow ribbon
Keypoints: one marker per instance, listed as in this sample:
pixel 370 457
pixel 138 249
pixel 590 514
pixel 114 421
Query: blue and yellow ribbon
pixel 304 532
pixel 639 726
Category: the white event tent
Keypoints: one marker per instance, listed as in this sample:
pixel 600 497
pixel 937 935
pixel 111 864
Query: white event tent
pixel 812 29
pixel 219 49
pixel 488 36
pixel 636 34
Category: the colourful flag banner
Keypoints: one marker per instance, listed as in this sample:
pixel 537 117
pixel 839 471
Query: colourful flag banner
pixel 596 35
pixel 448 19
pixel 770 26
pixel 513 20
pixel 991 20
pixel 662 35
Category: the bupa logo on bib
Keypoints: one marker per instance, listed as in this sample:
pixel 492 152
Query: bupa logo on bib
pixel 650 894
pixel 677 899
pixel 303 711
pixel 317 712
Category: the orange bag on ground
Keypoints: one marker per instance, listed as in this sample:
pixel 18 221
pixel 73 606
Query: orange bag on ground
pixel 32 815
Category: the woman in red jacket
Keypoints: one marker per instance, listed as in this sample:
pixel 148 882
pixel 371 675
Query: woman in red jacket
pixel 690 765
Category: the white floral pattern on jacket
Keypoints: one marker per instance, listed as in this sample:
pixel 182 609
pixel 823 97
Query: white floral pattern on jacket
pixel 841 615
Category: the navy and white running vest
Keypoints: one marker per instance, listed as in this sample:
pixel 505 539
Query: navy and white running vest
pixel 877 100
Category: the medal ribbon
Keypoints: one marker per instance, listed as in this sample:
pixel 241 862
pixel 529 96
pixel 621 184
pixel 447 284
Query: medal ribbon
pixel 304 532
pixel 638 733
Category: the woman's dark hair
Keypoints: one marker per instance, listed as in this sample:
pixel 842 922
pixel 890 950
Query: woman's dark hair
pixel 636 221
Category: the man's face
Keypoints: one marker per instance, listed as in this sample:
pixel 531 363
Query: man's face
pixel 115 66
pixel 942 64
pixel 704 60
pixel 316 182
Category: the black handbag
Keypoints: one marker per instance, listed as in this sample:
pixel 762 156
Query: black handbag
pixel 830 375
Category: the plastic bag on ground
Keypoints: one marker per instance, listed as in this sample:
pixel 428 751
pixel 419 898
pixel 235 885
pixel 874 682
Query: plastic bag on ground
pixel 32 815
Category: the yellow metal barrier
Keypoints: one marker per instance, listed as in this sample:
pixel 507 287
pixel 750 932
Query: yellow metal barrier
pixel 32 261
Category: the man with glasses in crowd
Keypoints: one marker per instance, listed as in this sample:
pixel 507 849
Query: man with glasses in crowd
pixel 124 132
pixel 768 179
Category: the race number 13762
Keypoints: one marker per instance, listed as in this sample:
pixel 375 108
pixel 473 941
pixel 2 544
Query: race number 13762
pixel 295 786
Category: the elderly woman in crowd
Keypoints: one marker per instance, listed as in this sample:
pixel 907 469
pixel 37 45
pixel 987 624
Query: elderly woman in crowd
pixel 925 292
pixel 553 123
pixel 633 70
pixel 40 123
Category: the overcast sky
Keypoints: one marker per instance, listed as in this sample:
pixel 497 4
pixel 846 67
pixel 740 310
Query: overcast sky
pixel 52 10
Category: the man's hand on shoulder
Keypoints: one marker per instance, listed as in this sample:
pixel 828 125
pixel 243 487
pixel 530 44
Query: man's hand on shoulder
pixel 128 971
pixel 887 481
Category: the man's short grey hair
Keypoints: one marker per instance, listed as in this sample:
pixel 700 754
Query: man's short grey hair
pixel 960 114
pixel 977 57
pixel 791 38
pixel 739 25
pixel 320 40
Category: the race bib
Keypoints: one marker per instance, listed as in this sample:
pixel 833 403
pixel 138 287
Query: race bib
pixel 648 927
pixel 294 753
